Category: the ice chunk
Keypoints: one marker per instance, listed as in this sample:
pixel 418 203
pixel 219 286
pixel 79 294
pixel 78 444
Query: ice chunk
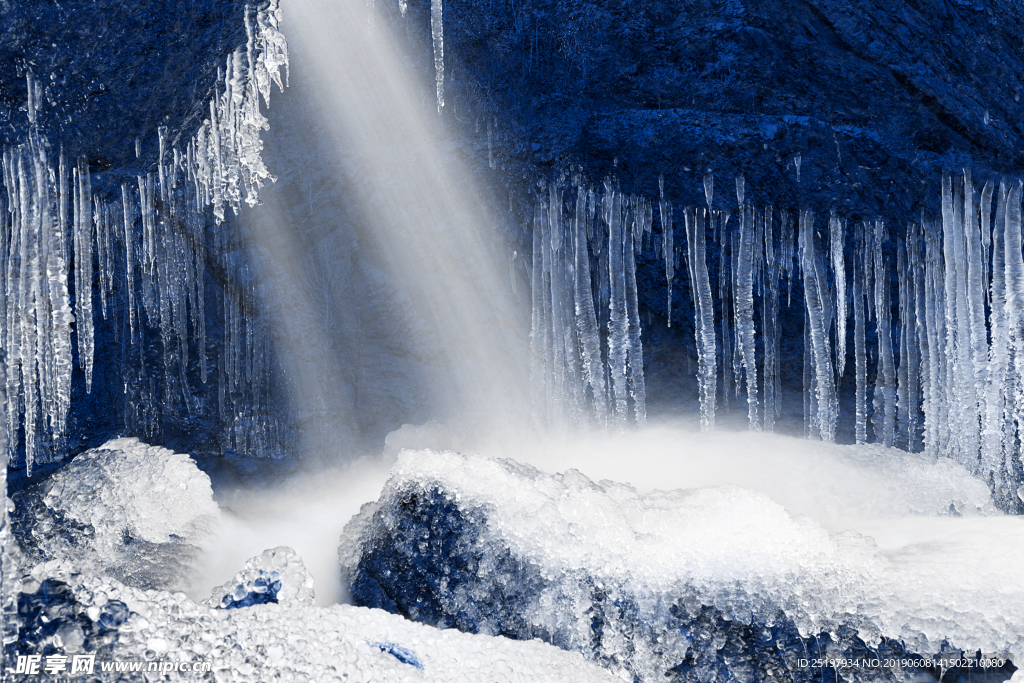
pixel 126 486
pixel 125 509
pixel 276 575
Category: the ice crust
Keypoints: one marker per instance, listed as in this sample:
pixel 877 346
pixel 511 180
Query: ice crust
pixel 643 582
pixel 274 576
pixel 272 642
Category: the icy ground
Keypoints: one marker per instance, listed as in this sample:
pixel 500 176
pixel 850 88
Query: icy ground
pixel 295 642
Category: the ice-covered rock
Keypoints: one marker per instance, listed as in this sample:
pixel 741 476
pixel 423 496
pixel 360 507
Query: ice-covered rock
pixel 126 509
pixel 274 576
pixel 128 487
pixel 717 582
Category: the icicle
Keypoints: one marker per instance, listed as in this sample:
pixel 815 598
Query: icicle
pixel 101 251
pixel 1014 275
pixel 737 360
pixel 60 308
pixel 885 377
pixel 126 207
pixel 635 354
pixel 903 408
pixel 724 291
pixel 919 358
pixel 11 303
pixel 586 319
pixel 83 273
pixel 836 230
pixel 999 359
pixel 563 348
pixel 979 352
pixel 769 316
pixel 814 294
pixel 985 214
pixel 935 424
pixel 797 161
pixel 618 323
pixel 668 249
pixel 28 294
pixel 164 189
pixel 744 303
pixel 960 368
pixel 811 425
pixel 704 314
pixel 860 351
pixel 437 36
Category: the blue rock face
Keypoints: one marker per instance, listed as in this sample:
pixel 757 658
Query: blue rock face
pixel 423 558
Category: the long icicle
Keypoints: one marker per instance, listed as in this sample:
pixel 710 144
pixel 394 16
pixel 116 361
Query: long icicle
pixel 814 293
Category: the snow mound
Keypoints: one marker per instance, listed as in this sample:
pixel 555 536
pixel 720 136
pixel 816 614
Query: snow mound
pixel 274 576
pixel 69 613
pixel 646 583
pixel 126 486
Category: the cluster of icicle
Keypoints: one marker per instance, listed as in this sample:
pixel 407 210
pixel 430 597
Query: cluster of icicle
pixel 945 371
pixel 754 257
pixel 948 370
pixel 143 249
pixel 585 340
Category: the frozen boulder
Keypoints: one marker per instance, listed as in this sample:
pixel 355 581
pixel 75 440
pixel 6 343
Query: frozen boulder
pixel 125 509
pixel 275 576
pixel 717 583
pixel 127 487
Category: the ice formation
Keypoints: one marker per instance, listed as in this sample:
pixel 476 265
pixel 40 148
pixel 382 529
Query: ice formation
pixel 275 576
pixel 69 613
pixel 704 314
pixel 127 487
pixel 651 583
pixel 145 242
pixel 125 509
pixel 585 338
pixel 437 39
pixel 942 342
